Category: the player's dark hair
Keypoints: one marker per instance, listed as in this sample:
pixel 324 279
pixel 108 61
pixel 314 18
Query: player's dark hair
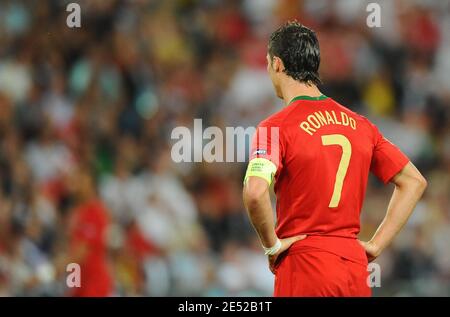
pixel 297 46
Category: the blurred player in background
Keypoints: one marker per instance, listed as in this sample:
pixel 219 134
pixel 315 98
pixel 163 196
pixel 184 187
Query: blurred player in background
pixel 319 154
pixel 88 244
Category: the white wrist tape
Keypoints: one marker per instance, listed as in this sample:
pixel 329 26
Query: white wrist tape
pixel 274 249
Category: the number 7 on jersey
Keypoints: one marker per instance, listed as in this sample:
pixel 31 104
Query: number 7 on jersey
pixel 344 143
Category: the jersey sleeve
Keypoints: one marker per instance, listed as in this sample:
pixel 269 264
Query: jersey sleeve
pixel 387 159
pixel 266 152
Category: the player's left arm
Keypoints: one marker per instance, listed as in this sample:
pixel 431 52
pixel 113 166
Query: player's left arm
pixel 259 208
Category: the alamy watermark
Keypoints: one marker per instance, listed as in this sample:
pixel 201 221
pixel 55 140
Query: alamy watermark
pixel 73 279
pixel 73 19
pixel 374 277
pixel 214 144
pixel 373 18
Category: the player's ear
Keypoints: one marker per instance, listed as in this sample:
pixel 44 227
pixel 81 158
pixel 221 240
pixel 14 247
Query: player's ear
pixel 278 65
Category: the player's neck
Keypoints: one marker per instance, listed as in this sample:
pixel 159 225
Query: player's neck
pixel 292 89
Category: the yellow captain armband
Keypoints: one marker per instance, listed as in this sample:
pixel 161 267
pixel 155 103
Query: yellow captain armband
pixel 261 167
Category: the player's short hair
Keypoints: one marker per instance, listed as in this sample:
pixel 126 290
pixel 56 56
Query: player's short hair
pixel 297 46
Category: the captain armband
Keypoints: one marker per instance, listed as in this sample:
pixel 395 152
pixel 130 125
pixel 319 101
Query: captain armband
pixel 262 168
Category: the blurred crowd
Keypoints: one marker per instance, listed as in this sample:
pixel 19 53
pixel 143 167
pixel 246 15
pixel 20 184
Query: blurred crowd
pixel 86 116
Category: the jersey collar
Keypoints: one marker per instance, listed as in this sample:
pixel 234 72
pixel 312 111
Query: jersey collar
pixel 321 97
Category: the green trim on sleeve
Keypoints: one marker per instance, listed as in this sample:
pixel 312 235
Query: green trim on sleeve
pixel 261 167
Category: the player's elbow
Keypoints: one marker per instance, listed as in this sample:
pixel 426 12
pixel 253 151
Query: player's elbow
pixel 254 191
pixel 421 183
pixel 417 183
pixel 253 197
pixel 411 179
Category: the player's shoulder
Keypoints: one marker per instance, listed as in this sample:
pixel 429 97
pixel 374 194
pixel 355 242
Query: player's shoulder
pixel 276 119
pixel 361 119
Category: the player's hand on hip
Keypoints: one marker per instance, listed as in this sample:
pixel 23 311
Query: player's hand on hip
pixel 372 251
pixel 285 245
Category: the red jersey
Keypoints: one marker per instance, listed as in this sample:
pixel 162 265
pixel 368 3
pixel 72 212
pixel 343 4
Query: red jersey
pixel 89 227
pixel 323 156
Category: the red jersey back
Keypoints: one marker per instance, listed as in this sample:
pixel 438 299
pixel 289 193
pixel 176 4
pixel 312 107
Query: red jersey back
pixel 89 227
pixel 323 156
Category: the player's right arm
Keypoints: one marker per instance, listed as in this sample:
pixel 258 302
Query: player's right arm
pixel 409 187
pixel 389 164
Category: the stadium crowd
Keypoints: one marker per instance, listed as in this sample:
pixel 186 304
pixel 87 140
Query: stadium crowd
pixel 86 116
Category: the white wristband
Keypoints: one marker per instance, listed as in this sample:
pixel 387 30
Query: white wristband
pixel 274 249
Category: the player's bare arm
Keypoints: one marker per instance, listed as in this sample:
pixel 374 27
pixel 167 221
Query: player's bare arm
pixel 409 187
pixel 259 208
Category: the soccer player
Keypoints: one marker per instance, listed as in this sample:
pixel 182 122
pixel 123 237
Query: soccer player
pixel 318 153
pixel 88 245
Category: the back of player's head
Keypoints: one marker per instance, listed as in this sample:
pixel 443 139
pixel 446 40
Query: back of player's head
pixel 297 46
